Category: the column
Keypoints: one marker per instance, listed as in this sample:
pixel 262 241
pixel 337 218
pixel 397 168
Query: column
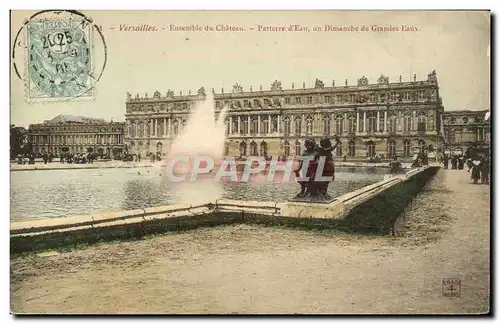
pixel 151 127
pixel 279 123
pixel 378 122
pixel 258 124
pixel 239 124
pixel 303 130
pixel 385 121
pixel 230 124
pixel 364 121
pixel 269 124
pixel 414 120
pixel 346 125
pixel 248 124
pixel 357 122
pixel 426 123
pixel 477 135
pixel 164 127
pixel 484 135
pixel 169 128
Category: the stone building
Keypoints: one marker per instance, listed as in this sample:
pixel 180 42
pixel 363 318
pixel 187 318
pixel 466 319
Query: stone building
pixel 76 134
pixel 380 118
pixel 464 129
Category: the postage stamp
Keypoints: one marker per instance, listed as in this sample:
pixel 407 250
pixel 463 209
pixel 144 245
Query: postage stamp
pixel 59 63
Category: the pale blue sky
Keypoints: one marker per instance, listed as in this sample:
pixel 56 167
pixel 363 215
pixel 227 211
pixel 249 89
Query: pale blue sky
pixel 455 44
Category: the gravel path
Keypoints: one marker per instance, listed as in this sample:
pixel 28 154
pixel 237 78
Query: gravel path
pixel 248 269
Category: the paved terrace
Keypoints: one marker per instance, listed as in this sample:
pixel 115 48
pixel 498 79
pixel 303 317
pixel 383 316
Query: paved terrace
pixel 445 233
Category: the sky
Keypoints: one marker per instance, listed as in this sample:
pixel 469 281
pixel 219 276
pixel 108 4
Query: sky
pixel 454 43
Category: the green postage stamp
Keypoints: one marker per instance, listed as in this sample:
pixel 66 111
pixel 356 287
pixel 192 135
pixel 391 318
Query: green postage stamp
pixel 59 59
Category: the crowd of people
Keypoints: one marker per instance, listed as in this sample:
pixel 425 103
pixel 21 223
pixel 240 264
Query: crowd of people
pixel 478 165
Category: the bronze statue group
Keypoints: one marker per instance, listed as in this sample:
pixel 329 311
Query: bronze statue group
pixel 317 189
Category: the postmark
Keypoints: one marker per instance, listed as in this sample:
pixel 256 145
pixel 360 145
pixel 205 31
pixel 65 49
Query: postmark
pixel 60 56
pixel 451 287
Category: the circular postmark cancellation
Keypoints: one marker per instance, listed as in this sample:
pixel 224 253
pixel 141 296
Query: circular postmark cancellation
pixel 59 55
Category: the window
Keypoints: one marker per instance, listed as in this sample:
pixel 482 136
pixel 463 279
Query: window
pixel 309 100
pixel 361 125
pixel 370 149
pixel 286 126
pixel 381 124
pixel 256 103
pixel 422 123
pixel 407 95
pixel 274 124
pixel 406 123
pixel 326 125
pixel 339 125
pixel 264 127
pixel 254 125
pixel 373 97
pixel 297 100
pixel 217 104
pixel 235 125
pixel 392 124
pixel 263 148
pixel 391 149
pixel 276 101
pixel 184 105
pixel 339 98
pixel 287 100
pixel 406 148
pixel 338 150
pixel 465 120
pixel 421 94
pixel 176 127
pixel 267 102
pixel 394 96
pixel 309 125
pixel 287 148
pixel 226 122
pixel 352 97
pixel 328 99
pixel 372 123
pixel 352 125
pixel 297 148
pixel 226 149
pixel 246 103
pixel 298 125
pixel 253 148
pixel 243 148
pixel 244 129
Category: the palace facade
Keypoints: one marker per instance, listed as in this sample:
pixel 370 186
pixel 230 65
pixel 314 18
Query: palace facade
pixel 464 129
pixel 76 134
pixel 382 118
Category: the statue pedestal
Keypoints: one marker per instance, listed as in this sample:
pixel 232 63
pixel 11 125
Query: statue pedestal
pixel 313 209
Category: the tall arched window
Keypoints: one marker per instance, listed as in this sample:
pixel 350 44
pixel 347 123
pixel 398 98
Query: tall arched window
pixel 244 129
pixel 326 125
pixel 309 125
pixel 147 125
pixel 370 149
pixel 338 150
pixel 159 148
pixel 160 128
pixel 391 148
pixel 235 125
pixel 286 125
pixel 298 125
pixel 352 148
pixel 254 125
pixel 131 130
pixel 422 123
pixel 392 123
pixel 243 148
pixel 176 127
pixel 372 122
pixel 352 125
pixel 406 148
pixel 226 149
pixel 253 148
pixel 298 148
pixel 339 125
pixel 407 122
pixel 421 145
pixel 141 129
pixel 263 148
pixel 287 148
pixel 274 124
pixel 264 125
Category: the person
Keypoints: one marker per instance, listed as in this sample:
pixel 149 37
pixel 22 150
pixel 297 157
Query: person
pixel 395 166
pixel 454 161
pixel 485 170
pixel 461 162
pixel 445 161
pixel 476 170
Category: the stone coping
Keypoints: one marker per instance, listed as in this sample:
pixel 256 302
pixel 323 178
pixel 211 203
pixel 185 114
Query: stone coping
pixel 338 208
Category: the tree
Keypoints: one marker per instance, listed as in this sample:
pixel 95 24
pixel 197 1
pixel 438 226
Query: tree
pixel 18 141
